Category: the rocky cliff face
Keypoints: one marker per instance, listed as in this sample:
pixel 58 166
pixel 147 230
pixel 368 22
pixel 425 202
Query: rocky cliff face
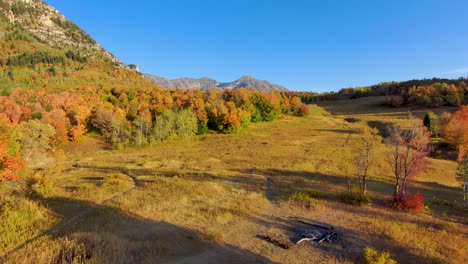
pixel 50 27
pixel 205 83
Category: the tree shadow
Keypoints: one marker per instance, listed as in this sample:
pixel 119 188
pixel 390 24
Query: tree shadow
pixel 349 246
pixel 111 235
pixel 285 182
pixel 139 240
pixel 382 127
pixel 340 131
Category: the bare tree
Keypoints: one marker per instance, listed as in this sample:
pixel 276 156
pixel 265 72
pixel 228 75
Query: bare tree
pixel 364 154
pixel 358 156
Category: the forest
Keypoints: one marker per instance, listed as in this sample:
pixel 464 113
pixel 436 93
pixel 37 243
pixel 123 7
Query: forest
pixel 430 93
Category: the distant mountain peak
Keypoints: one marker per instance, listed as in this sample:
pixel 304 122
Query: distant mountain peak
pixel 206 83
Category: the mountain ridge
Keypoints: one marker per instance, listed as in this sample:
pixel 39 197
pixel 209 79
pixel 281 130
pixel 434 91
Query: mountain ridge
pixel 206 83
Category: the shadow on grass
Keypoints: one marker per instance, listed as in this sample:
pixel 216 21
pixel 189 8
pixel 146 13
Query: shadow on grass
pixel 279 184
pixel 111 235
pixel 285 182
pixel 340 131
pixel 143 240
pixel 349 246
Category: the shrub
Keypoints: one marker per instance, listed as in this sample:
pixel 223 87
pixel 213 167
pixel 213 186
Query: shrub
pixel 440 202
pixel 256 116
pixel 303 110
pixel 69 251
pixel 111 180
pixel 43 185
pixel 356 199
pixel 202 127
pixel 409 201
pixel 372 256
pixel 305 199
pixel 430 121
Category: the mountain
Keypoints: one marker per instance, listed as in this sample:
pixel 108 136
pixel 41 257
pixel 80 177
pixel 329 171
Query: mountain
pixel 206 83
pixel 41 49
pixel 48 26
pixel 250 82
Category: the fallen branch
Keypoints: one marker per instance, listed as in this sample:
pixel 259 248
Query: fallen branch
pixel 304 240
pixel 283 244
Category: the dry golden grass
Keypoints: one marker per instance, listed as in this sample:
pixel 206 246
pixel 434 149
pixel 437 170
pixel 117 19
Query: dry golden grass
pixel 207 200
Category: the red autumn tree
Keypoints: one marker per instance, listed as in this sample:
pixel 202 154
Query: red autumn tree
pixel 407 152
pixel 9 164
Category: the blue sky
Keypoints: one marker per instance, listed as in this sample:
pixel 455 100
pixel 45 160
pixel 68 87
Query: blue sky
pixel 303 45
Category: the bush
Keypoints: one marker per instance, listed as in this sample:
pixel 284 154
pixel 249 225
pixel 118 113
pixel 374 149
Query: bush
pixel 306 199
pixel 409 201
pixel 202 127
pixel 440 202
pixel 303 110
pixel 372 256
pixel 356 199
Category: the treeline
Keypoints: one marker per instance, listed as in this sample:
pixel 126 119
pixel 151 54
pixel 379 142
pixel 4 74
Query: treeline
pixel 427 92
pixel 37 57
pixel 137 117
pixel 31 59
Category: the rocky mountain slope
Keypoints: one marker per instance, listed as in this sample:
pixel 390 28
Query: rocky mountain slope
pixel 50 27
pixel 205 83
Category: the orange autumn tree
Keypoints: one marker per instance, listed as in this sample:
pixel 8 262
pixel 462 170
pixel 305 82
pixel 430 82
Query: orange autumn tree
pixel 456 130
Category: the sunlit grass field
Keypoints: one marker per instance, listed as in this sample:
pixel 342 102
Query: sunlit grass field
pixel 208 200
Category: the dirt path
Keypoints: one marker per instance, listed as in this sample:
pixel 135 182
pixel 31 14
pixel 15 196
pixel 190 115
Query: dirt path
pixel 72 219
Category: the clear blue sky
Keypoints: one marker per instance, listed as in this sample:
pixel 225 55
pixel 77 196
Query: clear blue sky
pixel 304 45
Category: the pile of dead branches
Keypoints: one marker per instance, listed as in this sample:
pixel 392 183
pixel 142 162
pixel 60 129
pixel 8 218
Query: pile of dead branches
pixel 316 232
pixel 319 233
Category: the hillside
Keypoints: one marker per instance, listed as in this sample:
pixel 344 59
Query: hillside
pixel 69 60
pixel 50 27
pixel 206 83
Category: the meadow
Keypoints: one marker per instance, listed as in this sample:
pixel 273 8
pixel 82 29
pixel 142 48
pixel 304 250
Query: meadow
pixel 209 200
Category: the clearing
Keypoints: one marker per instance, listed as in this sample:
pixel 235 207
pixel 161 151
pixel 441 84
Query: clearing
pixel 210 200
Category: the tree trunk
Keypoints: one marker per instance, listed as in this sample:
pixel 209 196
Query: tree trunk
pixel 403 186
pixel 397 190
pixel 349 186
pixel 364 185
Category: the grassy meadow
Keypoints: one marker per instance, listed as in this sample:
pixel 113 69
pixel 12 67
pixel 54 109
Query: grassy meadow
pixel 208 200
